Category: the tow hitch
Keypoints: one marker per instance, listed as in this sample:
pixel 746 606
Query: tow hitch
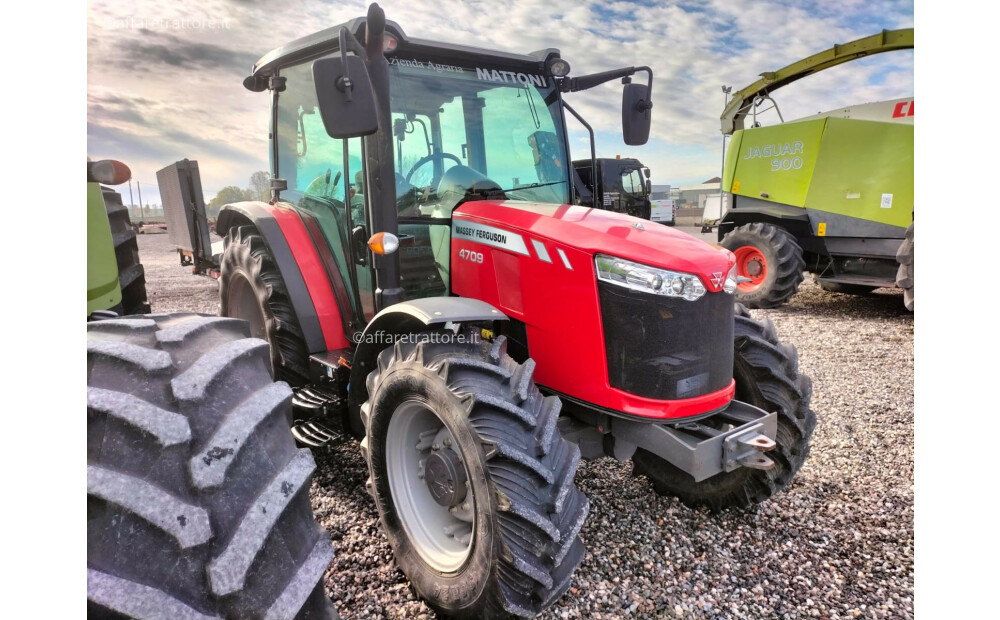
pixel 738 436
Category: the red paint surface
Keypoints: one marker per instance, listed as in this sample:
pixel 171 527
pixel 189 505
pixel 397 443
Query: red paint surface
pixel 314 275
pixel 560 306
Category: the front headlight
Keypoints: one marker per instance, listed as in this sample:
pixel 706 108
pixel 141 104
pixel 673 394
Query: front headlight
pixel 731 281
pixel 646 279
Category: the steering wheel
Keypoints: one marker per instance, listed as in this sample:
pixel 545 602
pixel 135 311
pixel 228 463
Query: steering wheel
pixel 428 158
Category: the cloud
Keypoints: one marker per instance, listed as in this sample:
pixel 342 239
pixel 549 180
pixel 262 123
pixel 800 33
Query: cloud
pixel 170 88
pixel 151 50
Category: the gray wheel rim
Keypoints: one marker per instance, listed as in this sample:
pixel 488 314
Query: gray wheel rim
pixel 441 535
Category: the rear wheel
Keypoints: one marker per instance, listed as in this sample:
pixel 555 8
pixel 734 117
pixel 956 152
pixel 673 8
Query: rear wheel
pixel 251 288
pixel 472 480
pixel 197 499
pixel 131 275
pixel 904 276
pixel 766 374
pixel 771 259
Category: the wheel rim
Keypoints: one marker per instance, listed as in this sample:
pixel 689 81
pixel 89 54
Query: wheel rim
pixel 418 448
pixel 750 263
pixel 242 304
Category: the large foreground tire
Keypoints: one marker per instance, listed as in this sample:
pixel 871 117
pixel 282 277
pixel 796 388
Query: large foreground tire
pixel 197 499
pixel 771 258
pixel 251 288
pixel 904 276
pixel 441 414
pixel 766 374
pixel 131 275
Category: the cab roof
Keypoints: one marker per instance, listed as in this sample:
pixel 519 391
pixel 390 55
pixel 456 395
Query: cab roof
pixel 326 41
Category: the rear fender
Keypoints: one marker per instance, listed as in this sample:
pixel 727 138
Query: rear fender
pixel 300 265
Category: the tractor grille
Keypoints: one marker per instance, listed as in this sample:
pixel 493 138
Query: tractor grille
pixel 665 347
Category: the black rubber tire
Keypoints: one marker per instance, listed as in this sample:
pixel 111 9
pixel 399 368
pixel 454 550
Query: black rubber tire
pixel 785 264
pixel 131 275
pixel 197 498
pixel 846 289
pixel 904 275
pixel 528 511
pixel 247 261
pixel 766 374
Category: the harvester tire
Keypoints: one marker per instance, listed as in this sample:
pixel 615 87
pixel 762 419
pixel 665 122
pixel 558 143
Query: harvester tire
pixel 904 276
pixel 131 275
pixel 846 289
pixel 251 288
pixel 766 374
pixel 197 498
pixel 772 258
pixel 506 543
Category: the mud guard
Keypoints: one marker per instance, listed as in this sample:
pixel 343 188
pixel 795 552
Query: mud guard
pixel 261 215
pixel 406 318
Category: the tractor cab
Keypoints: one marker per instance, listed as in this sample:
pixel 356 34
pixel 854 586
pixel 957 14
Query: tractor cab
pixel 462 125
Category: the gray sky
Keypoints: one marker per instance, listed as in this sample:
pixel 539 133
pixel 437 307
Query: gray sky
pixel 164 80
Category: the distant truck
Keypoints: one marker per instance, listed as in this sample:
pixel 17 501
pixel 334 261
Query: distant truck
pixel 622 185
pixel 663 211
pixel 831 194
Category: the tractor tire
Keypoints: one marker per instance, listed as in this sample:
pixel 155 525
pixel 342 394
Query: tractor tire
pixel 251 288
pixel 904 276
pixel 846 289
pixel 197 499
pixel 771 258
pixel 501 537
pixel 131 275
pixel 767 377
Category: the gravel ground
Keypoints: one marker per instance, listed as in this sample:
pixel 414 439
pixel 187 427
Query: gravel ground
pixel 837 544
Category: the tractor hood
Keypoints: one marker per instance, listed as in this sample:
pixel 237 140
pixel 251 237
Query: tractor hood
pixel 594 231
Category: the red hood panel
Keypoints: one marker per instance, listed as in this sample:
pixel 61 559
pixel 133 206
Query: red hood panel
pixel 599 231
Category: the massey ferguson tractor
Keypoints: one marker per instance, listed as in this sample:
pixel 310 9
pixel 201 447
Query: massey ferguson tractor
pixel 428 285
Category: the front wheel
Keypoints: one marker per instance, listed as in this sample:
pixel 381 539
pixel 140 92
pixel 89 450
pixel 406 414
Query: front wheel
pixel 767 377
pixel 771 261
pixel 472 480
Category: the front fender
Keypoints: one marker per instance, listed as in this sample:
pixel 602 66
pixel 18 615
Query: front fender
pixel 406 317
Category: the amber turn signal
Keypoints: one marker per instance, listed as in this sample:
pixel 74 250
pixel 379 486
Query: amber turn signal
pixel 383 243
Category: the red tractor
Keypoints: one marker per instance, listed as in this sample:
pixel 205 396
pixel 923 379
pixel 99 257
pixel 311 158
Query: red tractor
pixel 428 285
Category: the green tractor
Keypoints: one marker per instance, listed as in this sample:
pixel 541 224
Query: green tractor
pixel 831 194
pixel 197 497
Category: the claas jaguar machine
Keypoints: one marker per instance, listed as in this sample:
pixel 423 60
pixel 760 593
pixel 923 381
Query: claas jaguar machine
pixel 427 283
pixel 831 194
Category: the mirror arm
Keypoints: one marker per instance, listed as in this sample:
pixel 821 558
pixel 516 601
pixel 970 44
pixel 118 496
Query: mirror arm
pixel 585 82
pixel 646 104
pixel 348 41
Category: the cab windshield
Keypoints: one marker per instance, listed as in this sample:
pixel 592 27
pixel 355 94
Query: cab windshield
pixel 488 130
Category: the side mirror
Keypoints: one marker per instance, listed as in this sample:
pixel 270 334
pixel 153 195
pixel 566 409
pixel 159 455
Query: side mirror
pixel 636 115
pixel 345 96
pixel 649 187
